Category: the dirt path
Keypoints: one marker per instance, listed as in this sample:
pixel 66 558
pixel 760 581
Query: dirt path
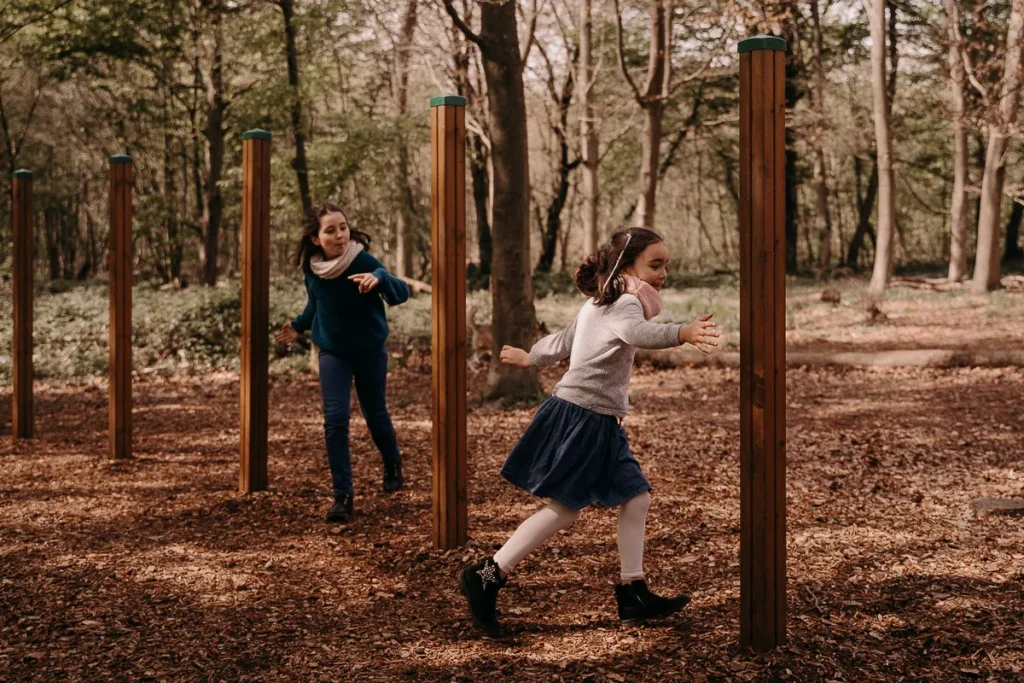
pixel 153 569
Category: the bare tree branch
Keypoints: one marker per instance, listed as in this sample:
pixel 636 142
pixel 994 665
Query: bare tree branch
pixel 466 30
pixel 531 30
pixel 622 56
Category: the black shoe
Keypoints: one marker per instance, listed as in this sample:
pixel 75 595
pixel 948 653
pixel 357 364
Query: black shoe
pixel 480 584
pixel 393 476
pixel 341 511
pixel 637 603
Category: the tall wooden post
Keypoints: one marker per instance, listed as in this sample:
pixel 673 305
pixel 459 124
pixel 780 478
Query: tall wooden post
pixel 255 309
pixel 120 306
pixel 448 323
pixel 762 343
pixel 23 418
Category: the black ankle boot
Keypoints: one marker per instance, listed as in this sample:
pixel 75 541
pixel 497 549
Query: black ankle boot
pixel 480 584
pixel 341 511
pixel 637 603
pixel 393 476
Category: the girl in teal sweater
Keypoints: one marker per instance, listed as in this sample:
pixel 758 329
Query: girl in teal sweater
pixel 347 289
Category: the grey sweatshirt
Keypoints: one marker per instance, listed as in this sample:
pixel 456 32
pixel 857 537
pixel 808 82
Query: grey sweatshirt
pixel 600 344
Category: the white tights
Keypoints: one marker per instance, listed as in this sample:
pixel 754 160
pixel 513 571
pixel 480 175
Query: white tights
pixel 546 522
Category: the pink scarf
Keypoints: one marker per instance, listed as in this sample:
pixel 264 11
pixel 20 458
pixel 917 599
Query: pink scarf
pixel 649 297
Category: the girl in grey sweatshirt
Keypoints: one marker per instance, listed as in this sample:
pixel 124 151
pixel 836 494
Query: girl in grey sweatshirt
pixel 575 452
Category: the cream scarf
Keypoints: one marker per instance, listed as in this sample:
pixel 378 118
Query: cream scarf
pixel 328 270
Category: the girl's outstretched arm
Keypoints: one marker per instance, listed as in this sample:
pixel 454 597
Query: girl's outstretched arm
pixel 629 325
pixel 392 289
pixel 553 348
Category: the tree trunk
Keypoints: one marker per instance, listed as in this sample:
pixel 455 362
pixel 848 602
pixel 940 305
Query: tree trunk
pixel 553 222
pixel 958 210
pixel 514 318
pixel 175 251
pixel 1013 251
pixel 794 92
pixel 823 219
pixel 588 132
pixel 986 262
pixel 649 154
pixel 863 215
pixel 883 146
pixel 407 211
pixel 213 202
pixel 68 223
pixel 653 104
pixel 552 225
pixel 299 162
pixel 479 161
pixel 52 223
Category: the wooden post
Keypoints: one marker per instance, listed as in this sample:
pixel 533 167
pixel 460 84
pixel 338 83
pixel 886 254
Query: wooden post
pixel 120 307
pixel 448 319
pixel 255 309
pixel 23 419
pixel 762 343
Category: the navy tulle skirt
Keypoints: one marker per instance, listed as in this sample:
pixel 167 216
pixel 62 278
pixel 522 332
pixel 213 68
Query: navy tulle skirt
pixel 576 457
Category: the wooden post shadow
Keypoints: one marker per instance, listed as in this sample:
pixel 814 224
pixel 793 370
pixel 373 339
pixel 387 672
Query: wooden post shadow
pixel 255 310
pixel 23 417
pixel 120 306
pixel 448 318
pixel 762 343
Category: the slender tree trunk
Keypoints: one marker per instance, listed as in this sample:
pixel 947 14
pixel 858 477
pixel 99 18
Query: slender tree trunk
pixel 90 231
pixel 174 247
pixel 1013 251
pixel 653 104
pixel 68 239
pixel 823 219
pixel 292 52
pixel 588 132
pixel 407 211
pixel 795 89
pixel 864 206
pixel 213 202
pixel 553 219
pixel 958 210
pixel 883 145
pixel 986 262
pixel 649 154
pixel 52 241
pixel 479 160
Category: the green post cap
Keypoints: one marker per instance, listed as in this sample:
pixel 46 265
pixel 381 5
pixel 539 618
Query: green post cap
pixel 256 134
pixel 449 98
pixel 761 42
pixel 23 173
pixel 120 159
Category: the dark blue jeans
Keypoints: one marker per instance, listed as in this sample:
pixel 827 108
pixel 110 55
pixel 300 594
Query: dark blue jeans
pixel 370 370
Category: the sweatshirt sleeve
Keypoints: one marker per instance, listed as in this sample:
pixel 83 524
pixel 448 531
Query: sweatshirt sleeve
pixel 553 348
pixel 629 325
pixel 393 289
pixel 305 319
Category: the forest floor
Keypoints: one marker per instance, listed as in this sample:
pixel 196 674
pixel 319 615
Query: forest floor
pixel 155 569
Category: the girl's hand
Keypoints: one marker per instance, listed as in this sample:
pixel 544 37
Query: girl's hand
pixel 366 281
pixel 701 333
pixel 287 334
pixel 510 355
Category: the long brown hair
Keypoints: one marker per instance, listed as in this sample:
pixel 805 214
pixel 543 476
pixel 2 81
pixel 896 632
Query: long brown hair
pixel 591 275
pixel 311 228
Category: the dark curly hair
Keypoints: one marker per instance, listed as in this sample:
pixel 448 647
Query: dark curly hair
pixel 591 275
pixel 311 228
